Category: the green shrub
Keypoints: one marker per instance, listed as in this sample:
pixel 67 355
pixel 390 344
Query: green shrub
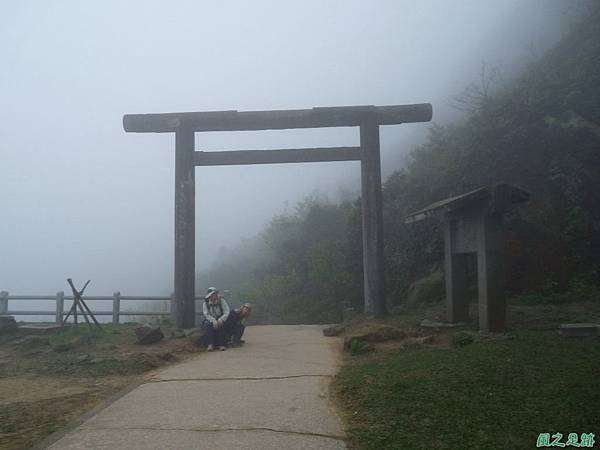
pixel 357 347
pixel 462 339
pixel 584 286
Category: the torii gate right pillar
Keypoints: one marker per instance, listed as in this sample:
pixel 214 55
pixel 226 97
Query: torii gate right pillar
pixel 372 221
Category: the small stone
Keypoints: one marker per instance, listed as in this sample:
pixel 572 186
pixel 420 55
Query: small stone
pixel 177 333
pixel 424 340
pixel 148 334
pixel 376 333
pixel 426 323
pixel 40 328
pixel 412 341
pixel 333 330
pixel 490 336
pixel 578 329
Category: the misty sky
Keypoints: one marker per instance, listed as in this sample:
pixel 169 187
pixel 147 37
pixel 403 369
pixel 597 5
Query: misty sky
pixel 81 198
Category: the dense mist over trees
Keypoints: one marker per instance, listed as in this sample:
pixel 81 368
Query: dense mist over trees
pixel 538 130
pixel 80 198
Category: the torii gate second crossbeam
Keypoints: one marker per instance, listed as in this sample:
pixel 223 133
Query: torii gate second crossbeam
pixel 186 124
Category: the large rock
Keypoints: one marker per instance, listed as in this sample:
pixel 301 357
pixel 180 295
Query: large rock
pixel 430 288
pixel 8 324
pixel 148 334
pixel 197 336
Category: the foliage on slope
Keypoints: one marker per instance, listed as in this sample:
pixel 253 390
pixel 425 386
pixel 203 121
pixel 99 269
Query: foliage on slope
pixel 540 131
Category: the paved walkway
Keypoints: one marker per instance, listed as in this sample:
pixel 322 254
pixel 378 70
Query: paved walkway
pixel 271 394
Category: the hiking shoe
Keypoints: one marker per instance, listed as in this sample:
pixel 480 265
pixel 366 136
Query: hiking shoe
pixel 210 348
pixel 222 348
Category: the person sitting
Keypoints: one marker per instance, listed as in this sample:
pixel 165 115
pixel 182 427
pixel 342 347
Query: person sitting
pixel 216 312
pixel 235 325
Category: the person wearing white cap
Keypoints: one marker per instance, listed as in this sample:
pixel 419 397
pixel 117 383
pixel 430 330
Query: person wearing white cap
pixel 216 312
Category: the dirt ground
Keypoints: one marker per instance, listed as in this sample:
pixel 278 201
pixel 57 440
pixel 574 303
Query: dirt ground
pixel 48 381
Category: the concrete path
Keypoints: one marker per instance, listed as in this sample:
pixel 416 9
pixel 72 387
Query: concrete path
pixel 271 394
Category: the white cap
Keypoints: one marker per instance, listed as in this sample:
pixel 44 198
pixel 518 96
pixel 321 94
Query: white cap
pixel 210 291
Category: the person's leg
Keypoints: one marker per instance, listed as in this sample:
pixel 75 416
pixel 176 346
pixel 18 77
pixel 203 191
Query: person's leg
pixel 227 335
pixel 211 334
pixel 219 338
pixel 238 332
pixel 229 329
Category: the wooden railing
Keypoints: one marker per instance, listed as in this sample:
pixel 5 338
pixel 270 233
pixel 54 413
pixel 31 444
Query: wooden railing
pixel 60 297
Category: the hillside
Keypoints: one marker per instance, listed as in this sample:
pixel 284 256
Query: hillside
pixel 539 130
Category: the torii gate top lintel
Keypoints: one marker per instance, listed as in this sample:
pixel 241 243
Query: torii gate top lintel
pixel 337 116
pixel 186 124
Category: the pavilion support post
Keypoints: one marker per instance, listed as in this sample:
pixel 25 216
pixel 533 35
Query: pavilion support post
pixel 372 221
pixel 490 274
pixel 455 267
pixel 184 228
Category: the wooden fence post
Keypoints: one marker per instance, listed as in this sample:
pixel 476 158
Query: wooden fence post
pixel 116 307
pixel 60 306
pixel 4 302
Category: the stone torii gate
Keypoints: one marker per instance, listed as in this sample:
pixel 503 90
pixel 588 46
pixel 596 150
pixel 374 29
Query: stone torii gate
pixel 186 124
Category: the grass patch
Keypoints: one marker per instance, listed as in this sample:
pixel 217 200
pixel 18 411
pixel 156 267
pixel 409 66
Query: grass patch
pixel 83 335
pixel 480 394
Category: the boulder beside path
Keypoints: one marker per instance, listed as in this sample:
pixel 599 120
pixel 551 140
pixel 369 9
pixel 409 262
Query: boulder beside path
pixel 148 334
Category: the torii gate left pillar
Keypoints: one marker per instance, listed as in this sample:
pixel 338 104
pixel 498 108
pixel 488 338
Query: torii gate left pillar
pixel 184 125
pixel 185 229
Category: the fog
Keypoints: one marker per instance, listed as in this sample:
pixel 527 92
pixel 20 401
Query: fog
pixel 81 198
